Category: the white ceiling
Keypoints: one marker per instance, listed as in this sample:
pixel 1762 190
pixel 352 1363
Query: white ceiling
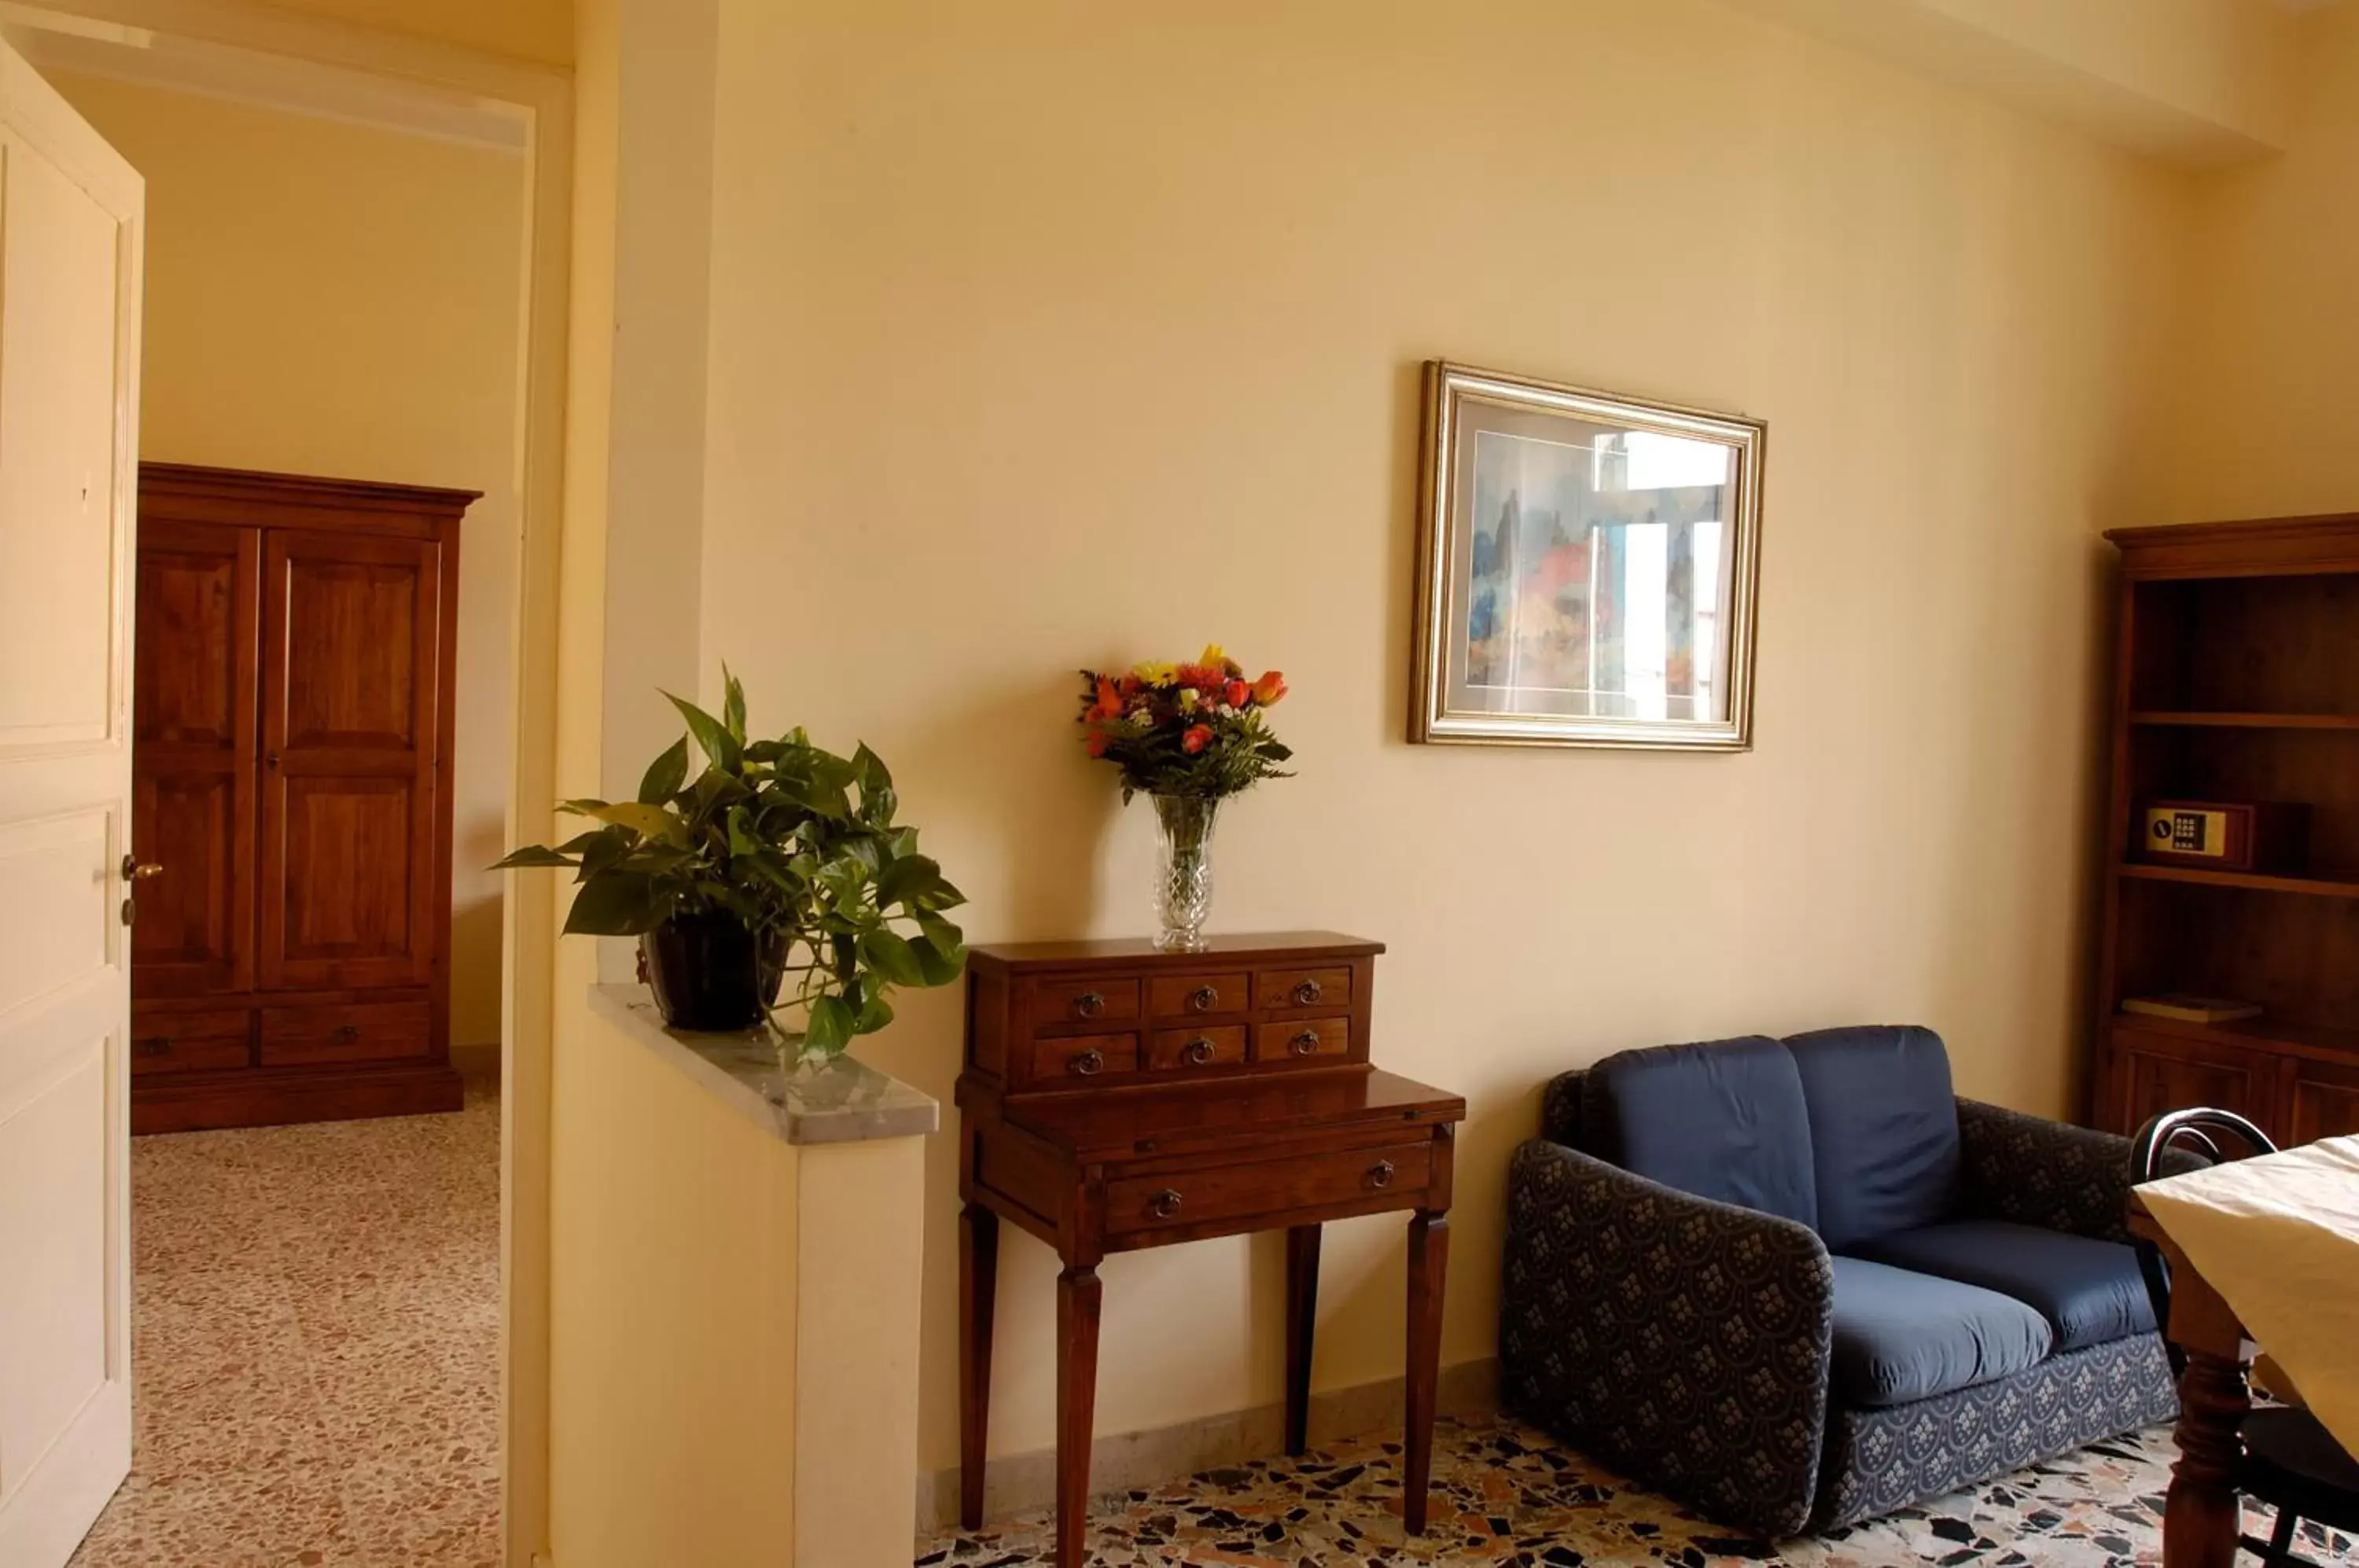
pixel 57 42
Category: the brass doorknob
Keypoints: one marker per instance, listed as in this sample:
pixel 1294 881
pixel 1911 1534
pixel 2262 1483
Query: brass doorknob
pixel 1166 1204
pixel 1380 1174
pixel 137 870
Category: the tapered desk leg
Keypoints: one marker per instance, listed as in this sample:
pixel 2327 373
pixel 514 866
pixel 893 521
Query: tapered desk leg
pixel 1078 1295
pixel 978 1294
pixel 1429 1263
pixel 1301 1324
pixel 2200 1512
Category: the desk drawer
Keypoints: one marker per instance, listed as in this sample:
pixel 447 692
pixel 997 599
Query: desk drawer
pixel 1083 1058
pixel 1302 1040
pixel 1215 1045
pixel 1091 1000
pixel 189 1042
pixel 365 1031
pixel 1234 1192
pixel 1301 990
pixel 1197 996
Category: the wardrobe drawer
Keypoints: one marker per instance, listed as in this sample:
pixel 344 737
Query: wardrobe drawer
pixel 367 1031
pixel 190 1042
pixel 1225 1193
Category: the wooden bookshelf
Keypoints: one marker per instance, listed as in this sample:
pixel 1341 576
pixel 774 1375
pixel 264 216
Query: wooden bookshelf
pixel 2236 680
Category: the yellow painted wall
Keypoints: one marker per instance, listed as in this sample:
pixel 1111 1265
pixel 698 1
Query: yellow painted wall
pixel 332 299
pixel 2268 424
pixel 1055 332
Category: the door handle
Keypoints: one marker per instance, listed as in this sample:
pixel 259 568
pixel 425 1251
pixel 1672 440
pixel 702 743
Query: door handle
pixel 137 870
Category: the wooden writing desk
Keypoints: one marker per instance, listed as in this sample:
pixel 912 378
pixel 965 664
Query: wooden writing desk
pixel 2202 1509
pixel 1115 1097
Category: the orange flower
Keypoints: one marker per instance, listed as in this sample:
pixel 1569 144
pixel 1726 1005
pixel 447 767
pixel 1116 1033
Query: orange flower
pixel 1269 688
pixel 1198 737
pixel 1097 743
pixel 1109 703
pixel 1237 693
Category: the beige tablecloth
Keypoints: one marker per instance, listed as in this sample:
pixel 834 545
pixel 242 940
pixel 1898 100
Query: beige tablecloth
pixel 2278 1237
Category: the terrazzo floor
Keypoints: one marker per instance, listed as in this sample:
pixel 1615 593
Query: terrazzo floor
pixel 315 1341
pixel 1514 1497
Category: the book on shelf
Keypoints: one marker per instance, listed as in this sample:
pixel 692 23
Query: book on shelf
pixel 2191 1009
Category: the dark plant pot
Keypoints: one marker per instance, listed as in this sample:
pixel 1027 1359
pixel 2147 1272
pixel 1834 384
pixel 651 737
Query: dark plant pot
pixel 709 973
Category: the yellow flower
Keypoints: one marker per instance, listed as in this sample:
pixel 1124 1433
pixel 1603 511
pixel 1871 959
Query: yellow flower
pixel 1213 658
pixel 1156 674
pixel 1188 699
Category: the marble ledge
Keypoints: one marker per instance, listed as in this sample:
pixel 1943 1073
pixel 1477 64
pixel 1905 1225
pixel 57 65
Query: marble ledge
pixel 845 1101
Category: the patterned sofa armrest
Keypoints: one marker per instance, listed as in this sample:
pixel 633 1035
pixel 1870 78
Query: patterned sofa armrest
pixel 2035 1171
pixel 1681 1340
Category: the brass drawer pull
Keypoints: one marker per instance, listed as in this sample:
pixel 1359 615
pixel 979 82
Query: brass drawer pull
pixel 153 1045
pixel 1087 1062
pixel 1089 1004
pixel 1203 998
pixel 1306 1042
pixel 1164 1203
pixel 1308 993
pixel 1200 1051
pixel 1380 1174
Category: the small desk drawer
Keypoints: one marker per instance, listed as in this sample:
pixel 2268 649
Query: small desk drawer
pixel 1197 996
pixel 189 1042
pixel 1086 1001
pixel 1300 989
pixel 368 1031
pixel 1301 1040
pixel 1083 1058
pixel 1236 1191
pixel 1219 1045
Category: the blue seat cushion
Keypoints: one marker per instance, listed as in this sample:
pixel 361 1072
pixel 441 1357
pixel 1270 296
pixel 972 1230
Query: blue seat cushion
pixel 1722 1120
pixel 1901 1336
pixel 1883 1128
pixel 2090 1291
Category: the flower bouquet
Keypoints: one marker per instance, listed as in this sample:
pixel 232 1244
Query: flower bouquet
pixel 1188 737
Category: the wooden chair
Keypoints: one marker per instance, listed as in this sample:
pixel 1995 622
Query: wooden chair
pixel 2290 1463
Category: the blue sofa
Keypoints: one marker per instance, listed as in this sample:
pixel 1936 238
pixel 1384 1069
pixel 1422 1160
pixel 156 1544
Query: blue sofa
pixel 1797 1283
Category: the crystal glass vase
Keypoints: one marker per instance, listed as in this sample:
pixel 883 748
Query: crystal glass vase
pixel 1183 870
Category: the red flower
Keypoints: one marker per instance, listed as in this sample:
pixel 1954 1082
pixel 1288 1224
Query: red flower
pixel 1109 702
pixel 1203 678
pixel 1129 685
pixel 1237 693
pixel 1198 737
pixel 1097 743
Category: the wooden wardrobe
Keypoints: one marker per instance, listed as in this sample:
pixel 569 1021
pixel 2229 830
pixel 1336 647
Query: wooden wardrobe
pixel 290 834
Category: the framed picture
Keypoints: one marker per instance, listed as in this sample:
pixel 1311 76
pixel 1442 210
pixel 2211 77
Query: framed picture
pixel 1586 568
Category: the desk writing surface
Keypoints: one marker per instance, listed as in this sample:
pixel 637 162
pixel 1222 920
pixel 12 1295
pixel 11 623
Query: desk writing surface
pixel 1116 1121
pixel 1302 944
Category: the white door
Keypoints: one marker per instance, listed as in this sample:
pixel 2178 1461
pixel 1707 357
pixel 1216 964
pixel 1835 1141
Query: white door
pixel 70 221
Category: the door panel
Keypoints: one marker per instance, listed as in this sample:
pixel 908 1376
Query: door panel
pixel 352 636
pixel 2157 1072
pixel 193 719
pixel 71 219
pixel 2324 1102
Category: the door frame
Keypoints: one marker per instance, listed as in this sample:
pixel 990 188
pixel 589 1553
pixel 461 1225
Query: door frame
pixel 528 949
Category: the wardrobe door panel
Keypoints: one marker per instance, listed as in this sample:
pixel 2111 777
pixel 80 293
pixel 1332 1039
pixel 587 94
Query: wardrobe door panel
pixel 353 638
pixel 193 745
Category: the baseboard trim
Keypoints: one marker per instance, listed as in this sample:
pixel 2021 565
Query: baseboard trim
pixel 476 1060
pixel 1020 1483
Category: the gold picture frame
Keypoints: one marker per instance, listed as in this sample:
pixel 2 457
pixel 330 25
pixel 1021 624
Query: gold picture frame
pixel 1588 568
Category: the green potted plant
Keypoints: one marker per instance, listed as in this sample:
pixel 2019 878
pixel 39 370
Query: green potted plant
pixel 778 860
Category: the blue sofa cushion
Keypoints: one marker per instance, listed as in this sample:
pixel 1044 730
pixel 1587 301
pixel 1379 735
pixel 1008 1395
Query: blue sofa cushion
pixel 1884 1129
pixel 1901 1336
pixel 2090 1291
pixel 1723 1120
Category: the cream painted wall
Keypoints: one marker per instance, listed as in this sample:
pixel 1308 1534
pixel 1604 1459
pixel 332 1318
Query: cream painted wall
pixel 332 299
pixel 1067 333
pixel 2268 423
